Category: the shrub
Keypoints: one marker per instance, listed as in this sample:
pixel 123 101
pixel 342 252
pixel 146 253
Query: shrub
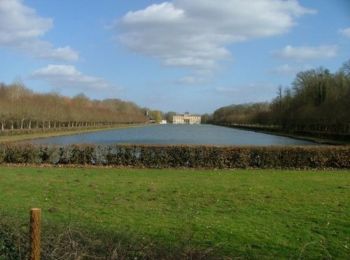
pixel 2 154
pixel 164 156
pixel 8 248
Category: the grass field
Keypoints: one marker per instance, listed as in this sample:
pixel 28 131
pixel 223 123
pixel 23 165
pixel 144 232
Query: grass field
pixel 215 213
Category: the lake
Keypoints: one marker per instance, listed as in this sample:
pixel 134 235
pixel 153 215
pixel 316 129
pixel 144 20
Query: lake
pixel 175 134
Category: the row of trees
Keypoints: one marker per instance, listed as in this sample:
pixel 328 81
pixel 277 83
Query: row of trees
pixel 317 101
pixel 21 108
pixel 157 116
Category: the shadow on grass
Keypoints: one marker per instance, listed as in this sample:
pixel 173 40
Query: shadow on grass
pixel 70 242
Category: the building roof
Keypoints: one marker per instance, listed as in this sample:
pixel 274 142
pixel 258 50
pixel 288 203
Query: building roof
pixel 186 114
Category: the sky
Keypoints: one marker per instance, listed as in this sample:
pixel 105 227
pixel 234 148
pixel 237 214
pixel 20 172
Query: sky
pixel 181 55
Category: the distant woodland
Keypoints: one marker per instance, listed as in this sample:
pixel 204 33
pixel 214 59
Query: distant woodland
pixel 317 101
pixel 21 108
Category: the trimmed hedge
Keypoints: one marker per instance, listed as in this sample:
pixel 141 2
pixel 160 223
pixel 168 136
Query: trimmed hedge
pixel 156 156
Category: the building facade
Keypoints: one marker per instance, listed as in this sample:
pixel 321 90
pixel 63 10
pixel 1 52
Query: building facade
pixel 187 119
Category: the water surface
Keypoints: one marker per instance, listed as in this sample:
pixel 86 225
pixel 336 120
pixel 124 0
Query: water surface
pixel 175 134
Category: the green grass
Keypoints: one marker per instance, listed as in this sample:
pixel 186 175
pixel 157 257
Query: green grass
pixel 37 134
pixel 241 213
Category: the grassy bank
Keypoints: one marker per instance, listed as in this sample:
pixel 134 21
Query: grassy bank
pixel 318 138
pixel 58 132
pixel 181 213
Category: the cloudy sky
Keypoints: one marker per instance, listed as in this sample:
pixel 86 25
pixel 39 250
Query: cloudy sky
pixel 180 55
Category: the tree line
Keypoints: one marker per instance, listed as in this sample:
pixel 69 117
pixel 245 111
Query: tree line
pixel 317 101
pixel 21 108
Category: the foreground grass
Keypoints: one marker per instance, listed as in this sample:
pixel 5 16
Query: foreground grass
pixel 243 213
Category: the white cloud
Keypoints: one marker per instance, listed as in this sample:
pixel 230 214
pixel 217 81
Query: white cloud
pixel 21 29
pixel 303 53
pixel 195 34
pixel 345 32
pixel 62 76
pixel 155 13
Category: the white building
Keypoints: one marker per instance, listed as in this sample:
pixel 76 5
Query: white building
pixel 187 119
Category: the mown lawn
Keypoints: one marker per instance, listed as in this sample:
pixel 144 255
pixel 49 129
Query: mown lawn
pixel 241 213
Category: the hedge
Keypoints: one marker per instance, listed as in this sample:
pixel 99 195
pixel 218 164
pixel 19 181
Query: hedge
pixel 162 156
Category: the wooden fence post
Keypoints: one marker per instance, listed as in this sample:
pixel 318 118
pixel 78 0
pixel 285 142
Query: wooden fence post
pixel 35 236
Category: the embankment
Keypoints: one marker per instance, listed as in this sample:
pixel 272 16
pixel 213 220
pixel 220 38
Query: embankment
pixel 25 134
pixel 319 137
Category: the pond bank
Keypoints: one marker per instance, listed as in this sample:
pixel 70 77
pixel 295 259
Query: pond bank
pixel 39 134
pixel 311 137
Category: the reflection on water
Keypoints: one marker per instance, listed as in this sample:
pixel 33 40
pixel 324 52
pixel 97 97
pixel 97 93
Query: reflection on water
pixel 175 134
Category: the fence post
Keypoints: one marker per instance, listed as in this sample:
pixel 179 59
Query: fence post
pixel 35 230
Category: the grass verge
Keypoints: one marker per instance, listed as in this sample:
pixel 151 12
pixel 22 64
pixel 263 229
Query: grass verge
pixel 311 137
pixel 60 132
pixel 172 214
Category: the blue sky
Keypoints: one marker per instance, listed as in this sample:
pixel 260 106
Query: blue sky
pixel 176 55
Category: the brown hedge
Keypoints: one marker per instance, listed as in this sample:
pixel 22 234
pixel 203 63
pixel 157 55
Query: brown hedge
pixel 162 156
